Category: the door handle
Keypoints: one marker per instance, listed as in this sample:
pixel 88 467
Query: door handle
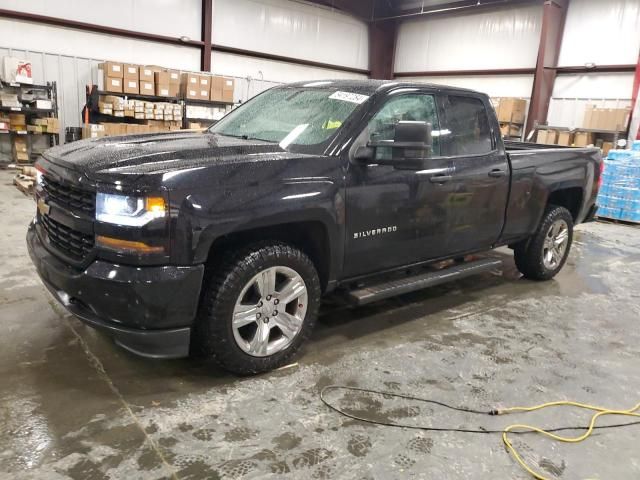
pixel 440 178
pixel 497 173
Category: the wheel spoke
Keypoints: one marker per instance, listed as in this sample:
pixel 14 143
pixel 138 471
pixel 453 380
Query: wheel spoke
pixel 288 324
pixel 292 290
pixel 266 282
pixel 244 315
pixel 561 237
pixel 260 341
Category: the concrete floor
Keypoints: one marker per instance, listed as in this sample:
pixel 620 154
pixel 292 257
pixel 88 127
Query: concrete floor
pixel 73 405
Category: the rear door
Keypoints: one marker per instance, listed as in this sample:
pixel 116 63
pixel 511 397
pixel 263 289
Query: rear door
pixel 480 179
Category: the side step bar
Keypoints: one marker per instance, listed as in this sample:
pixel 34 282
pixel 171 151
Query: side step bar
pixel 409 284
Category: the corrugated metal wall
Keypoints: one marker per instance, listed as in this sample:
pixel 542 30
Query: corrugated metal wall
pixel 72 74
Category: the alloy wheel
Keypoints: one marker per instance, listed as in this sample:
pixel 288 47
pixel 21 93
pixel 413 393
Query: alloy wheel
pixel 555 244
pixel 270 311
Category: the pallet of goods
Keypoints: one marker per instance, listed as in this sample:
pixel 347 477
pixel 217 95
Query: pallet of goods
pixel 619 196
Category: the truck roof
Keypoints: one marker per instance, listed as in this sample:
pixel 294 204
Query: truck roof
pixel 369 87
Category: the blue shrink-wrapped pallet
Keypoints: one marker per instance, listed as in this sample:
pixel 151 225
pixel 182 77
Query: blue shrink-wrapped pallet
pixel 619 196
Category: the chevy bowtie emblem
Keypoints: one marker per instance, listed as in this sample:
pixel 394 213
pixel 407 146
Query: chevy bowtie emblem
pixel 43 208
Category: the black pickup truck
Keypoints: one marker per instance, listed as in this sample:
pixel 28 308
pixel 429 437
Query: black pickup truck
pixel 223 242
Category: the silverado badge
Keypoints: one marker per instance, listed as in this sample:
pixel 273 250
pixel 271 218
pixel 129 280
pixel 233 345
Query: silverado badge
pixel 43 208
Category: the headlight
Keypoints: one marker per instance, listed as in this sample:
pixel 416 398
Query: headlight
pixel 128 210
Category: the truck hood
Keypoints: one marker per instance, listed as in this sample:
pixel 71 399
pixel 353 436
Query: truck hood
pixel 110 158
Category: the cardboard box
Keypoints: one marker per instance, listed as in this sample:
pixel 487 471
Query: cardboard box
pixel 53 125
pixel 216 88
pixel 588 116
pixel 131 71
pixel 203 92
pixel 17 119
pixel 583 139
pixel 9 100
pixel 16 70
pixel 606 146
pixel 145 74
pixel 565 138
pixel 42 104
pixel 147 88
pixel 131 85
pixel 506 129
pixel 112 69
pixel 161 77
pixel 204 81
pixel 162 90
pixel 189 83
pixel 548 137
pixel 606 118
pixel 112 84
pixel 510 110
pixel 174 77
pixel 174 89
pixel 93 131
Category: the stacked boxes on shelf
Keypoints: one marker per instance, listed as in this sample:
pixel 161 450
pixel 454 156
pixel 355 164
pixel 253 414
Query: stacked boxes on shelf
pixel 619 196
pixel 129 78
pixel 613 119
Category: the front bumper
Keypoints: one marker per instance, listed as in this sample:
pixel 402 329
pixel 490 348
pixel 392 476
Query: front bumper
pixel 148 310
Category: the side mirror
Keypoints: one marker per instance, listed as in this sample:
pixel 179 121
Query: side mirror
pixel 412 141
pixel 411 147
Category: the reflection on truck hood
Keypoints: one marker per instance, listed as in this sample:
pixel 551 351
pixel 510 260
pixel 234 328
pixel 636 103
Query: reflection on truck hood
pixel 156 153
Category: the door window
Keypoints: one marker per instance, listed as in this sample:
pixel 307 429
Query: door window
pixel 413 107
pixel 468 123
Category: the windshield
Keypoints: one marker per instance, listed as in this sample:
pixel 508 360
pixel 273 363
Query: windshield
pixel 291 116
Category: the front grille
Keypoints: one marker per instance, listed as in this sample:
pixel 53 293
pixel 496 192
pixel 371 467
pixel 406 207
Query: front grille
pixel 73 244
pixel 73 198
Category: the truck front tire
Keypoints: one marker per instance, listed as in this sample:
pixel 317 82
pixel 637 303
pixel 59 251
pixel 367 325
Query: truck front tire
pixel 258 307
pixel 543 255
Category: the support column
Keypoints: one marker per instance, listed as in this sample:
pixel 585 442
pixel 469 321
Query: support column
pixel 205 52
pixel 382 48
pixel 553 19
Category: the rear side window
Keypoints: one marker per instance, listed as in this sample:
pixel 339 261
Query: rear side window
pixel 469 125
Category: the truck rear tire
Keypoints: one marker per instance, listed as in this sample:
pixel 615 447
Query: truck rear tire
pixel 258 307
pixel 543 255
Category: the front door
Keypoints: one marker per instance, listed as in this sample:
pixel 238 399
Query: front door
pixel 396 216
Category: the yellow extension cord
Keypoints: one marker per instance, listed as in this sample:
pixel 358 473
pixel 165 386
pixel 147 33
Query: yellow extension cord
pixel 600 412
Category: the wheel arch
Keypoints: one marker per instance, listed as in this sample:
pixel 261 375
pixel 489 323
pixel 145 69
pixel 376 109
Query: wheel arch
pixel 309 236
pixel 570 198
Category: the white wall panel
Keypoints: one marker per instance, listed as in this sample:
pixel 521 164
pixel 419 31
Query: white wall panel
pixel 604 32
pixel 173 18
pixel 63 41
pixel 594 85
pixel 293 29
pixel 272 71
pixel 493 85
pixel 506 38
pixel 572 93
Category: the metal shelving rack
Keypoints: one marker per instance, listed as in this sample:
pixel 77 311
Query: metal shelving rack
pixel 615 134
pixel 96 116
pixel 52 94
pixel 202 103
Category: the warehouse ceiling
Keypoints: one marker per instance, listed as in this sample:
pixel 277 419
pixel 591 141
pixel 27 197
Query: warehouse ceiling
pixel 376 10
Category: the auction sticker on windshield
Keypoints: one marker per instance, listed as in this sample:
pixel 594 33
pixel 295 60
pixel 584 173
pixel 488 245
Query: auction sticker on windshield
pixel 349 97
